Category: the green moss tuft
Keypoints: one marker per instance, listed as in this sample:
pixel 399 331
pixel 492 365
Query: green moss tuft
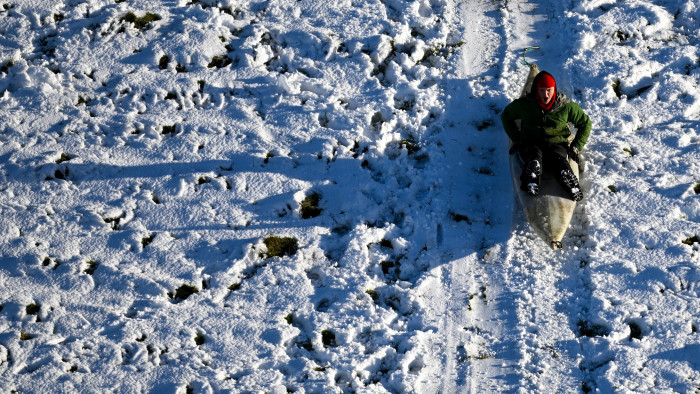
pixel 373 294
pixel 92 266
pixel 691 240
pixel 33 309
pixel 219 62
pixel 64 157
pixel 140 23
pixel 280 246
pixel 309 207
pixel 184 291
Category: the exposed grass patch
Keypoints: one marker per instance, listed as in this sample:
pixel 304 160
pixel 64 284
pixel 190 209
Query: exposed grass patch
pixel 140 22
pixel 612 189
pixel 113 222
pixel 163 62
pixel 410 145
pixel 23 336
pixel 309 207
pixel 183 292
pixel 219 62
pixel 328 338
pixel 199 339
pixel 616 88
pixel 268 157
pixel 91 267
pixel 234 286
pixel 32 309
pixel 630 151
pixel 373 294
pixel 443 51
pixel 64 157
pixel 280 246
pixel 145 241
pixel 289 319
pixel 168 129
pixel 696 188
pixel 691 240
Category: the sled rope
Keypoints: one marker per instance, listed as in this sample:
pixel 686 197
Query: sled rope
pixel 525 51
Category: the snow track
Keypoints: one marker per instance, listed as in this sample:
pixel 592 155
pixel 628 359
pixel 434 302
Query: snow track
pixel 505 322
pixel 307 196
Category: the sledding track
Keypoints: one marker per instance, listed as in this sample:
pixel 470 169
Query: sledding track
pixel 510 307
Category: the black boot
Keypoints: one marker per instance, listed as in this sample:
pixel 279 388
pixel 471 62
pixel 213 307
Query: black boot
pixel 530 178
pixel 570 182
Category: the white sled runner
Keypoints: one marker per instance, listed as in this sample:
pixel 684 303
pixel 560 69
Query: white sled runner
pixel 550 212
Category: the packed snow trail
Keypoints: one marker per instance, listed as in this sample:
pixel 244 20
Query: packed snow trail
pixel 504 325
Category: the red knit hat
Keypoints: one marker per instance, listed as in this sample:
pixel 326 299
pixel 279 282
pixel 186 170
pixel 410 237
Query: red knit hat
pixel 546 81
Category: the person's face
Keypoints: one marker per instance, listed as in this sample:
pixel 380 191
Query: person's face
pixel 546 94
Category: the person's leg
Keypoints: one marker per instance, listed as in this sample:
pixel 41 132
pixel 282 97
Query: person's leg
pixel 557 158
pixel 531 156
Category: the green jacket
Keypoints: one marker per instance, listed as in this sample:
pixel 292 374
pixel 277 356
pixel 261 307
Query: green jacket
pixel 537 124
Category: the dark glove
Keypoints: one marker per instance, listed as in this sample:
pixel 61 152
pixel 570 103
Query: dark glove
pixel 573 153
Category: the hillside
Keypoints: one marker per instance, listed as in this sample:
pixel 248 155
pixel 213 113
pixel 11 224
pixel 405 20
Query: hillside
pixel 303 196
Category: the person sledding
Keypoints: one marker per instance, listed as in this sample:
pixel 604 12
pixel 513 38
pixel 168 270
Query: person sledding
pixel 538 126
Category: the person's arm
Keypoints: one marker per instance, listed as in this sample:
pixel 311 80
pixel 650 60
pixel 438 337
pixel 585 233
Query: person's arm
pixel 508 117
pixel 583 126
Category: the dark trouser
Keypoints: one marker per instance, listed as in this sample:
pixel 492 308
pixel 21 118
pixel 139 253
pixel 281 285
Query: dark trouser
pixel 549 155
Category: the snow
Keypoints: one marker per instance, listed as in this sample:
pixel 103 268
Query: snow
pixel 137 162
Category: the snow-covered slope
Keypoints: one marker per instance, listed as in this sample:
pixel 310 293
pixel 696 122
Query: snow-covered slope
pixel 153 152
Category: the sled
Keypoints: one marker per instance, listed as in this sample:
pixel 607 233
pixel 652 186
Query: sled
pixel 550 212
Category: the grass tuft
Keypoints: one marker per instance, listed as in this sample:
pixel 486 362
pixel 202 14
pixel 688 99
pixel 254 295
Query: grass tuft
pixel 616 88
pixel 199 339
pixel 184 291
pixel 92 266
pixel 309 207
pixel 280 246
pixel 328 338
pixel 33 309
pixel 219 62
pixel 163 62
pixel 145 241
pixel 696 188
pixel 140 23
pixel 691 240
pixel 23 336
pixel 64 157
pixel 373 294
